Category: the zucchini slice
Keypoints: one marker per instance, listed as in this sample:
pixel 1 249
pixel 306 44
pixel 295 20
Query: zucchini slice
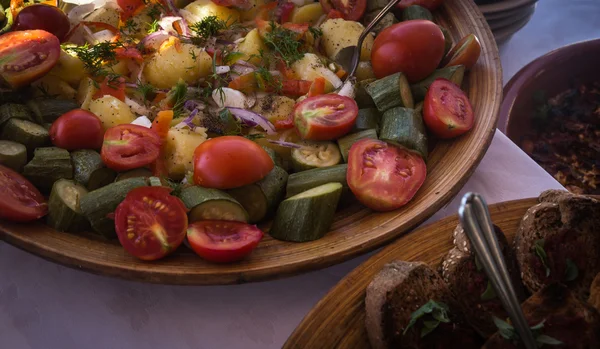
pixel 207 203
pixel 274 156
pixel 416 12
pixel 367 118
pixel 47 110
pixel 47 166
pixel 12 110
pixel 455 74
pixel 346 142
pixel 305 180
pixel 101 177
pixel 315 154
pixel 261 198
pixel 391 91
pixel 97 204
pixel 30 134
pixel 405 127
pixel 306 216
pixel 85 163
pixel 64 213
pixel 136 172
pixel 362 98
pixel 13 155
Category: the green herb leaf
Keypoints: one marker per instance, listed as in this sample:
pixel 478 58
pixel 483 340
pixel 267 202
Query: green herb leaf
pixel 437 310
pixel 286 43
pixel 539 326
pixel 428 327
pixel 541 254
pixel 506 330
pixel 176 97
pixel 208 27
pixel 572 272
pixel 544 339
pixel 489 292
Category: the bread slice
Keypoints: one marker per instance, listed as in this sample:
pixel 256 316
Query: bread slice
pixel 470 284
pixel 566 318
pixel 565 227
pixel 594 299
pixel 400 289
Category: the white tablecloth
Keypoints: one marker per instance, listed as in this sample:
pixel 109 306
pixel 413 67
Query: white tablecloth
pixel 47 306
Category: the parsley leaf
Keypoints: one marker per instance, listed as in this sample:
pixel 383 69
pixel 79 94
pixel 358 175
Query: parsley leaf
pixel 538 249
pixel 432 309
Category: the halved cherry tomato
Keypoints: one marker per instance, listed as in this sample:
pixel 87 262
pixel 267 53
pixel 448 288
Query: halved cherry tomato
pixel 428 4
pixel 285 11
pixel 129 7
pixel 77 129
pixel 27 56
pixel 447 112
pixel 128 146
pixel 287 72
pixel 317 87
pixel 230 162
pixel 223 241
pixel 383 176
pixel 44 17
pixel 151 223
pixel 325 117
pixel 21 201
pixel 112 87
pixel 414 48
pixel 351 10
pixel 129 52
pixel 466 52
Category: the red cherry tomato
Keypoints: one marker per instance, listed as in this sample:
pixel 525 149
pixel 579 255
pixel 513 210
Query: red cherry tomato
pixel 383 176
pixel 447 111
pixel 127 146
pixel 325 117
pixel 44 17
pixel 21 201
pixel 428 4
pixel 77 129
pixel 27 56
pixel 413 47
pixel 223 241
pixel 466 52
pixel 351 10
pixel 151 223
pixel 112 87
pixel 230 162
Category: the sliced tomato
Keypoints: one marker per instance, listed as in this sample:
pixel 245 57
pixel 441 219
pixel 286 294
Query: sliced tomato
pixel 112 87
pixel 129 53
pixel 128 146
pixel 317 87
pixel 150 222
pixel 223 241
pixel 447 111
pixel 264 13
pixel 325 117
pixel 285 11
pixel 351 10
pixel 21 201
pixel 287 72
pixel 466 52
pixel 382 176
pixel 245 83
pixel 130 7
pixel 295 87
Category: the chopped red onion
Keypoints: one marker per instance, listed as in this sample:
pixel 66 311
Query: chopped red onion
pixel 285 144
pixel 166 23
pixel 222 69
pixel 252 118
pixel 155 39
pixel 193 104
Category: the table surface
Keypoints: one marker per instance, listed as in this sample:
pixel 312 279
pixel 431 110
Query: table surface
pixel 47 306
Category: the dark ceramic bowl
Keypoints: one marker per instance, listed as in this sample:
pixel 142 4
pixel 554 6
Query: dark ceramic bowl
pixel 554 72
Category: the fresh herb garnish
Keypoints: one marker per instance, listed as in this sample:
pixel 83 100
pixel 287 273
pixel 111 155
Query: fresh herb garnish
pixel 508 332
pixel 176 97
pixel 145 90
pixel 538 248
pixel 95 56
pixel 489 292
pixel 286 43
pixel 316 32
pixel 153 27
pixel 432 314
pixel 266 81
pixel 208 27
pixel 571 272
pixel 154 12
pixel 130 26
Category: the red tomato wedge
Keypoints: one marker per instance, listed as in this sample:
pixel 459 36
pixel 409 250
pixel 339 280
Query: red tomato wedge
pixel 325 117
pixel 21 201
pixel 129 53
pixel 151 223
pixel 77 129
pixel 382 176
pixel 112 87
pixel 230 162
pixel 127 146
pixel 223 241
pixel 351 10
pixel 447 112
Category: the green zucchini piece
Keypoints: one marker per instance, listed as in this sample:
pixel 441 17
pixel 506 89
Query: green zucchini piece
pixel 391 91
pixel 416 12
pixel 29 134
pixel 207 203
pixel 47 110
pixel 47 166
pixel 305 180
pixel 362 98
pixel 85 163
pixel 447 39
pixel 368 118
pixel 101 177
pixel 137 172
pixel 403 126
pixel 64 213
pixel 13 110
pixel 387 20
pixel 97 204
pixel 307 216
pixel 155 182
pixel 454 74
pixel 274 156
pixel 13 155
pixel 346 142
pixel 262 198
pixel 315 154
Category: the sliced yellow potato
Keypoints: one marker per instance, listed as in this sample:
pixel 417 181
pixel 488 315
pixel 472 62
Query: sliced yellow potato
pixel 307 14
pixel 339 33
pixel 111 111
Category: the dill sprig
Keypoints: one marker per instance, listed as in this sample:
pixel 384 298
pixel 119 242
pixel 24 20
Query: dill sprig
pixel 285 42
pixel 95 56
pixel 266 81
pixel 208 27
pixel 145 90
pixel 153 27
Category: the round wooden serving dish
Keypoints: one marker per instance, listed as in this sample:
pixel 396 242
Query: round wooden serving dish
pixel 338 320
pixel 356 230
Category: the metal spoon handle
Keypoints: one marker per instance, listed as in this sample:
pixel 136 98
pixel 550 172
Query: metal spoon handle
pixel 363 35
pixel 476 221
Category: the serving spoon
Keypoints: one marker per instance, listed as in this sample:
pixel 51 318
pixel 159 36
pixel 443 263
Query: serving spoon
pixel 475 220
pixel 348 57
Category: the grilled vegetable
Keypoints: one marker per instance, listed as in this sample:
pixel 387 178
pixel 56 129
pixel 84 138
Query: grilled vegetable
pixel 46 110
pixel 346 142
pixel 13 155
pixel 391 91
pixel 315 154
pixel 29 134
pixel 64 213
pixel 47 166
pixel 404 127
pixel 212 204
pixel 453 73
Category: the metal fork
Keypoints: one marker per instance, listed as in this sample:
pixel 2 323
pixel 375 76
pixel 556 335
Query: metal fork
pixel 476 221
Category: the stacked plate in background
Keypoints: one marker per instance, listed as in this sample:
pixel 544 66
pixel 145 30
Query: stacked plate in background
pixel 506 17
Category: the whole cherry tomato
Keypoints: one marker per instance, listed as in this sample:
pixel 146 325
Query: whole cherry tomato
pixel 77 129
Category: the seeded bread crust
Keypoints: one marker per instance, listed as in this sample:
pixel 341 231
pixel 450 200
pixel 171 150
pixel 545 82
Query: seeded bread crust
pixel 595 293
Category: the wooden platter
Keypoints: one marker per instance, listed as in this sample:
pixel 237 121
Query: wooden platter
pixel 337 321
pixel 356 230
